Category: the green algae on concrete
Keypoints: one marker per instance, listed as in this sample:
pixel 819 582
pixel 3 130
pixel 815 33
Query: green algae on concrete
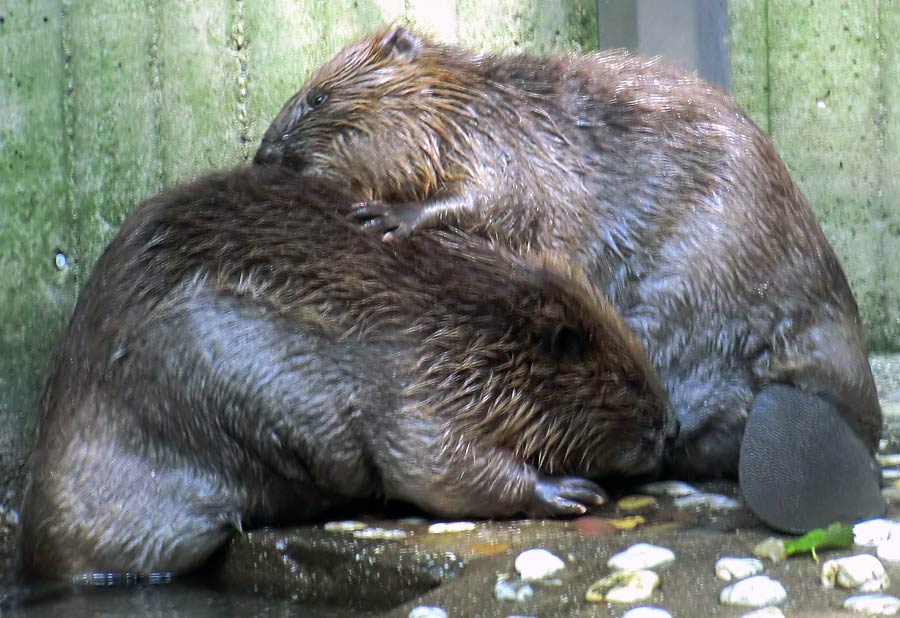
pixel 514 25
pixel 830 67
pixel 888 211
pixel 748 55
pixel 114 102
pixel 824 102
pixel 37 284
pixel 198 80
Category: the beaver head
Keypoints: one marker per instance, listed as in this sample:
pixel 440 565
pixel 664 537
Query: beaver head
pixel 399 117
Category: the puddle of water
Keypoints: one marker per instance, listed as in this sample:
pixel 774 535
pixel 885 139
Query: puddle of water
pixel 176 600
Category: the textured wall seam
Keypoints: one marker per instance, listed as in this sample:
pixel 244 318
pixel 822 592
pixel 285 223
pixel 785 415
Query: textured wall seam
pixel 156 97
pixel 768 84
pixel 241 52
pixel 884 337
pixel 68 112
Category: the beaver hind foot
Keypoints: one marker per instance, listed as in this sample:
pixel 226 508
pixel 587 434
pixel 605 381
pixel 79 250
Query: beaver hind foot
pixel 802 466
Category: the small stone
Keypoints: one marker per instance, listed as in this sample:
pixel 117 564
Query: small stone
pixel 453 526
pixel 624 587
pixel 594 526
pixel 627 523
pixel 756 591
pixel 344 526
pixel 863 572
pixel 716 502
pixel 647 612
pixel 873 604
pixel 771 549
pixel 381 534
pixel 425 611
pixel 491 548
pixel 729 569
pixel 636 503
pixel 875 531
pixel 517 590
pixel 536 564
pixel 641 556
pixel 668 488
pixel 766 612
pixel 891 474
pixel 889 550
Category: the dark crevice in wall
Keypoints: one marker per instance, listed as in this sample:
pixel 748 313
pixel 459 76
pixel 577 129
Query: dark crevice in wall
pixel 68 112
pixel 239 40
pixel 768 84
pixel 153 9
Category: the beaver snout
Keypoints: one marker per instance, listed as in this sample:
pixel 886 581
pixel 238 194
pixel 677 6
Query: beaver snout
pixel 269 152
pixel 672 435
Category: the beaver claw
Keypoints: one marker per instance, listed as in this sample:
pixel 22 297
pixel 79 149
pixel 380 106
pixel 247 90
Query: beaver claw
pixel 564 496
pixel 380 218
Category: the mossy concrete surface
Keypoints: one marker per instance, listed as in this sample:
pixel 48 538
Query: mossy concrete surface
pixel 822 77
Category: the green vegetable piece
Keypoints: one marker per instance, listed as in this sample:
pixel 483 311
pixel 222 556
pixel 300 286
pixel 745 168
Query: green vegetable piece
pixel 835 536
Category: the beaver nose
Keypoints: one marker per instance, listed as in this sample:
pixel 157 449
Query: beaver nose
pixel 268 152
pixel 672 435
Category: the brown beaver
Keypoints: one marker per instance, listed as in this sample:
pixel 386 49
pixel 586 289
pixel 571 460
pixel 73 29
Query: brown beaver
pixel 652 181
pixel 243 354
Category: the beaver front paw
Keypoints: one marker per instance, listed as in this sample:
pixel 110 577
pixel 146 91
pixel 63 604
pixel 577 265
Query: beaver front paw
pixel 554 497
pixel 380 218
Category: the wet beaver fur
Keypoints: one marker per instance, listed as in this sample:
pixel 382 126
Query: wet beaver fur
pixel 651 181
pixel 243 354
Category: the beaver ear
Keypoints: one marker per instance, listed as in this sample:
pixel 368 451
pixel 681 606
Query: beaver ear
pixel 566 342
pixel 401 44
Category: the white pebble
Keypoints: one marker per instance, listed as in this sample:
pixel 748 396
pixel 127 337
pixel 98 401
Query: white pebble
pixel 453 526
pixel 668 488
pixel 889 550
pixel 624 587
pixel 641 556
pixel 344 526
pixel 863 571
pixel 766 612
pixel 771 549
pixel 505 590
pixel 647 612
pixel 424 611
pixel 381 534
pixel 756 591
pixel 537 564
pixel 875 531
pixel 729 569
pixel 890 474
pixel 716 502
pixel 873 604
pixel 889 459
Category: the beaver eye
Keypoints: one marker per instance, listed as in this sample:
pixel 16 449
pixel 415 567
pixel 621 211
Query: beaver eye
pixel 566 342
pixel 316 99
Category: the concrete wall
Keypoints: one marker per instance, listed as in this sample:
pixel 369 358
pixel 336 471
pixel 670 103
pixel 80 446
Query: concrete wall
pixel 104 102
pixel 823 78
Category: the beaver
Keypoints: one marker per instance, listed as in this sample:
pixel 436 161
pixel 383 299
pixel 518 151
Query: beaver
pixel 242 354
pixel 651 181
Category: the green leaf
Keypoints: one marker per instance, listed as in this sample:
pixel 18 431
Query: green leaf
pixel 835 536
